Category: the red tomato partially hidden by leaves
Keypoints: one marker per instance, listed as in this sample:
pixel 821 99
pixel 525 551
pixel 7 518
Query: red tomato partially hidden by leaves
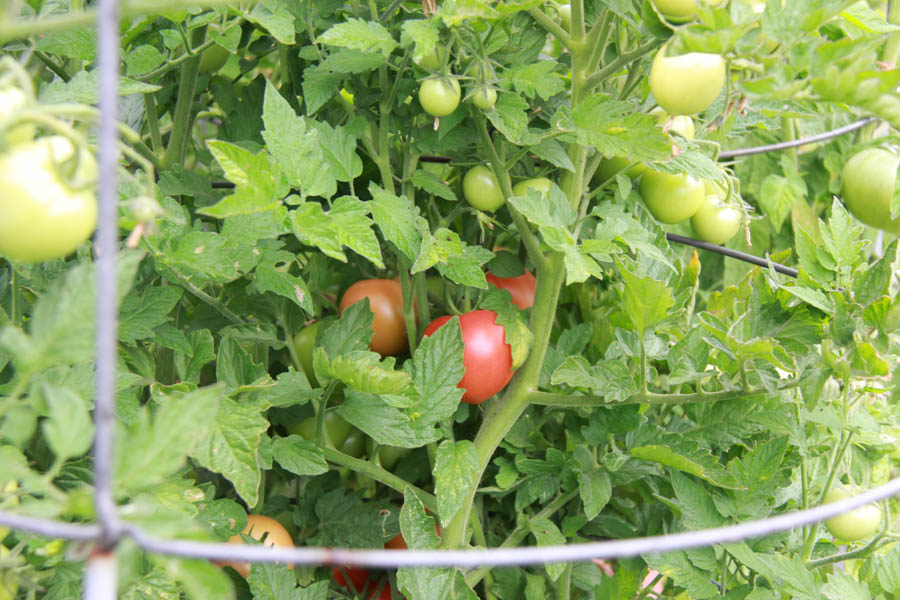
pixel 358 576
pixel 521 288
pixel 487 357
pixel 386 302
pixel 399 543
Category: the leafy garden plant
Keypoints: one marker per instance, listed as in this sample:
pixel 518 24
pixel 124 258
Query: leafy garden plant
pixel 395 273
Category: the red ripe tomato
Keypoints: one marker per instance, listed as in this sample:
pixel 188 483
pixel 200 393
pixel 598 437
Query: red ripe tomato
pixel 521 288
pixel 399 543
pixel 358 576
pixel 386 302
pixel 487 357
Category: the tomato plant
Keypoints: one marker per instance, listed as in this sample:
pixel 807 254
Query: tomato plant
pixel 869 178
pixel 439 97
pixel 487 357
pixel 47 211
pixel 262 528
pixel 857 524
pixel 686 84
pixel 386 303
pixel 671 198
pixel 260 202
pixel 482 190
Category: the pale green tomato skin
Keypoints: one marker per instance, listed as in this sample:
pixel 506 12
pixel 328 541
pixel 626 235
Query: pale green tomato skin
pixel 432 61
pixel 869 178
pixel 679 11
pixel 565 15
pixel 540 184
pixel 485 98
pixel 609 167
pixel 671 198
pixel 715 223
pixel 482 190
pixel 41 216
pixel 687 84
pixel 858 524
pixel 13 100
pixel 439 97
pixel 213 58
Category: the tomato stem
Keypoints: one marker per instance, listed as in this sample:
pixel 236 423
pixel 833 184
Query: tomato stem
pixel 178 139
pixel 551 26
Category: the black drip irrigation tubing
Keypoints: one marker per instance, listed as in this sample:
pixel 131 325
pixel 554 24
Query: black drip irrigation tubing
pixel 749 258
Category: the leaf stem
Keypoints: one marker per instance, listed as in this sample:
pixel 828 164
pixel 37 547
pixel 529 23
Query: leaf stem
pixel 551 26
pixel 381 475
pixel 181 120
pixel 600 76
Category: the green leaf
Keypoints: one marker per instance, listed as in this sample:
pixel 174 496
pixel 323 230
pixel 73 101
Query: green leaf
pixel 550 209
pixel 357 34
pixel 141 59
pixel 673 450
pixel 347 224
pixel 396 217
pixel 157 444
pixel 777 196
pixel 517 333
pixel 436 248
pixel 677 567
pixel 456 472
pixel 428 583
pixel 467 269
pixel 548 534
pixel 554 153
pixel 595 490
pixel 841 237
pixel 510 117
pixel 352 61
pixel 646 300
pixel 273 275
pixel 579 265
pixel 436 369
pixel 83 88
pixel 416 525
pixel 430 183
pixel 259 183
pixel 200 579
pixel 68 429
pixel 295 145
pixel 339 149
pixel 141 313
pixel 842 586
pixel 299 456
pixel 230 445
pixel 345 521
pixel 276 17
pixel 889 570
pixel 77 42
pixel 270 581
pixel 538 78
pixel 319 86
pixel 614 129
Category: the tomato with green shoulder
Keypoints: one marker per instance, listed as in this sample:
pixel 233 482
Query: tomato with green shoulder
pixel 857 524
pixel 671 198
pixel 869 179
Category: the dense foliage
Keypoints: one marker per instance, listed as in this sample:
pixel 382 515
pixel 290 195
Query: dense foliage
pixel 420 147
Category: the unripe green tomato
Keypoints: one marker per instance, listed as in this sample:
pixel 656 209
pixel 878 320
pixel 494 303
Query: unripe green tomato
pixel 213 58
pixel 388 456
pixel 565 15
pixel 609 167
pixel 539 184
pixel 432 61
pixel 683 125
pixel 679 11
pixel 336 429
pixel 869 179
pixel 304 343
pixel 41 215
pixel 485 97
pixel 439 97
pixel 714 222
pixel 671 198
pixel 858 524
pixel 13 100
pixel 686 84
pixel 482 190
pixel 355 444
pixel 552 47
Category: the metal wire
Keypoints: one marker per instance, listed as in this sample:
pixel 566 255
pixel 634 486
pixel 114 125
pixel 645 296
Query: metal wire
pixel 101 574
pixel 821 137
pixel 467 558
pixel 749 258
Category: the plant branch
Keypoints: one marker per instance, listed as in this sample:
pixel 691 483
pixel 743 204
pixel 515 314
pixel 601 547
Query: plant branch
pixel 551 26
pixel 381 475
pixel 588 400
pixel 600 76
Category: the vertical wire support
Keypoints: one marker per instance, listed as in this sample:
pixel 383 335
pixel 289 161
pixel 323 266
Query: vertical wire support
pixel 106 243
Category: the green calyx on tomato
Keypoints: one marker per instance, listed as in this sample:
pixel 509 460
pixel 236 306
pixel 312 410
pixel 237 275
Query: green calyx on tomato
pixel 46 209
pixel 539 184
pixel 686 84
pixel 521 288
pixel 386 303
pixel 716 222
pixel 484 97
pixel 683 125
pixel 482 190
pixel 439 96
pixel 671 198
pixel 487 357
pixel 857 524
pixel 304 343
pixel 869 178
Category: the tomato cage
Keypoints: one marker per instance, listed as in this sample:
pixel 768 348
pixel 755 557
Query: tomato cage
pixel 103 537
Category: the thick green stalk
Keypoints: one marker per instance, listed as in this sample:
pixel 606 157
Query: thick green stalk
pixel 502 413
pixel 181 129
pixel 378 474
